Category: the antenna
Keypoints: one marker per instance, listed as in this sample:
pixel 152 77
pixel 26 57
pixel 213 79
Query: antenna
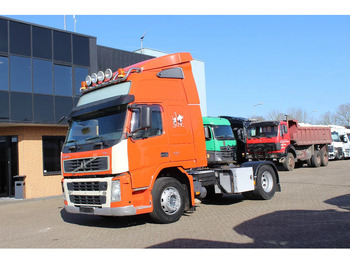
pixel 65 22
pixel 75 23
pixel 142 37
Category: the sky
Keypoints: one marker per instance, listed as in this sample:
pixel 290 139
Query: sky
pixel 280 59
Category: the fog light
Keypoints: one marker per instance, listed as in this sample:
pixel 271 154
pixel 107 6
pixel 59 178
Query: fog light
pixel 94 78
pixel 100 76
pixel 108 74
pixel 116 193
pixel 88 80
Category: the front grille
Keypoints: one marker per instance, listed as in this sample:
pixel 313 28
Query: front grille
pixel 91 164
pixel 262 147
pixel 88 200
pixel 87 186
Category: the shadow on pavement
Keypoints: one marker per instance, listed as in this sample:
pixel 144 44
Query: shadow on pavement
pixel 286 229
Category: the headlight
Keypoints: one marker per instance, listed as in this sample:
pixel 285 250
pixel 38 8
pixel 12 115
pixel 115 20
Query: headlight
pixel 108 73
pixel 88 80
pixel 116 194
pixel 94 78
pixel 100 76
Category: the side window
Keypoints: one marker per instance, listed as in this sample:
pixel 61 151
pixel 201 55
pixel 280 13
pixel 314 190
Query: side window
pixel 157 124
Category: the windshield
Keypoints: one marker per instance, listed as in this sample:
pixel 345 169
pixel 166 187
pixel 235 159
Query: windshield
pixel 223 133
pixel 262 131
pixel 335 137
pixel 103 125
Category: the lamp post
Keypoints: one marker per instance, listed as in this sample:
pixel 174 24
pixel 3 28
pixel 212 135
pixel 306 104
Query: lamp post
pixel 255 106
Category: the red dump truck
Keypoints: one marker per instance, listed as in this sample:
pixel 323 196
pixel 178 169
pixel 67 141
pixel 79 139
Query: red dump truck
pixel 287 143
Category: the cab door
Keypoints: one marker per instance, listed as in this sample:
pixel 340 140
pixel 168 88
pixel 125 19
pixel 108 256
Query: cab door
pixel 147 148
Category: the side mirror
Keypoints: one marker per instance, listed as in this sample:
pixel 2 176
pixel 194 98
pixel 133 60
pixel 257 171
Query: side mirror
pixel 206 133
pixel 146 117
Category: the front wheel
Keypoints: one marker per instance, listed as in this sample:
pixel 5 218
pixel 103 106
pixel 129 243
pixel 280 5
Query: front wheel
pixel 265 183
pixel 289 162
pixel 168 200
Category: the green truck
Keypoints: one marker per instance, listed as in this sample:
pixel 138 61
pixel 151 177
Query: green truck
pixel 220 141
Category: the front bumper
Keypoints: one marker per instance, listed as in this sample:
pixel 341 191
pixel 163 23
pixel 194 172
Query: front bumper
pixel 102 211
pixel 93 196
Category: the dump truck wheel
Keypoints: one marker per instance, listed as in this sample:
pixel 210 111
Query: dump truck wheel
pixel 289 162
pixel 324 158
pixel 168 200
pixel 265 183
pixel 316 159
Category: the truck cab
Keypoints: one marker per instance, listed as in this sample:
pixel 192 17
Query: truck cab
pixel 340 147
pixel 239 127
pixel 219 140
pixel 267 140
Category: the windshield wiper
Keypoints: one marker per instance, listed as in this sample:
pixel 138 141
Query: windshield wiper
pixel 97 137
pixel 76 144
pixel 93 138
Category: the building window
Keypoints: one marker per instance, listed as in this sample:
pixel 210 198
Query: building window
pixel 81 50
pixel 42 43
pixel 79 76
pixel 42 77
pixel 52 146
pixel 63 80
pixel 63 107
pixel 21 74
pixel 21 107
pixel 62 46
pixel 43 108
pixel 4 106
pixel 3 36
pixel 20 43
pixel 4 73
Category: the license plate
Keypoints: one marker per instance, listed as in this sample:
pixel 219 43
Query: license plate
pixel 89 210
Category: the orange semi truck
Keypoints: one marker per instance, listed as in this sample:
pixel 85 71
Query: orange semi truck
pixel 136 145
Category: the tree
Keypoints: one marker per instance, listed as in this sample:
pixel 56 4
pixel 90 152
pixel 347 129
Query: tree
pixel 327 118
pixel 276 116
pixel 343 114
pixel 301 115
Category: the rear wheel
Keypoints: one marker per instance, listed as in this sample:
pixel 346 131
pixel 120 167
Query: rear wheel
pixel 324 158
pixel 316 159
pixel 168 200
pixel 265 184
pixel 289 162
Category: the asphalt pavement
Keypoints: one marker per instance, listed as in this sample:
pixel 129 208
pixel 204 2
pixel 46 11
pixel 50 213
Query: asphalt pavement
pixel 312 211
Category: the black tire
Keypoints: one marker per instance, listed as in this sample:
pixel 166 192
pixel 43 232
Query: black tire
pixel 324 157
pixel 289 162
pixel 168 200
pixel 265 184
pixel 316 159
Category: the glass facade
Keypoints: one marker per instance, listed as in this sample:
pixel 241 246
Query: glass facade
pixel 4 73
pixel 63 80
pixel 21 74
pixel 42 77
pixel 42 43
pixel 41 70
pixel 62 46
pixel 20 40
pixel 3 36
pixel 79 76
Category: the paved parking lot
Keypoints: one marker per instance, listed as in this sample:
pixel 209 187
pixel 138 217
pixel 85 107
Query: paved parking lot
pixel 313 210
